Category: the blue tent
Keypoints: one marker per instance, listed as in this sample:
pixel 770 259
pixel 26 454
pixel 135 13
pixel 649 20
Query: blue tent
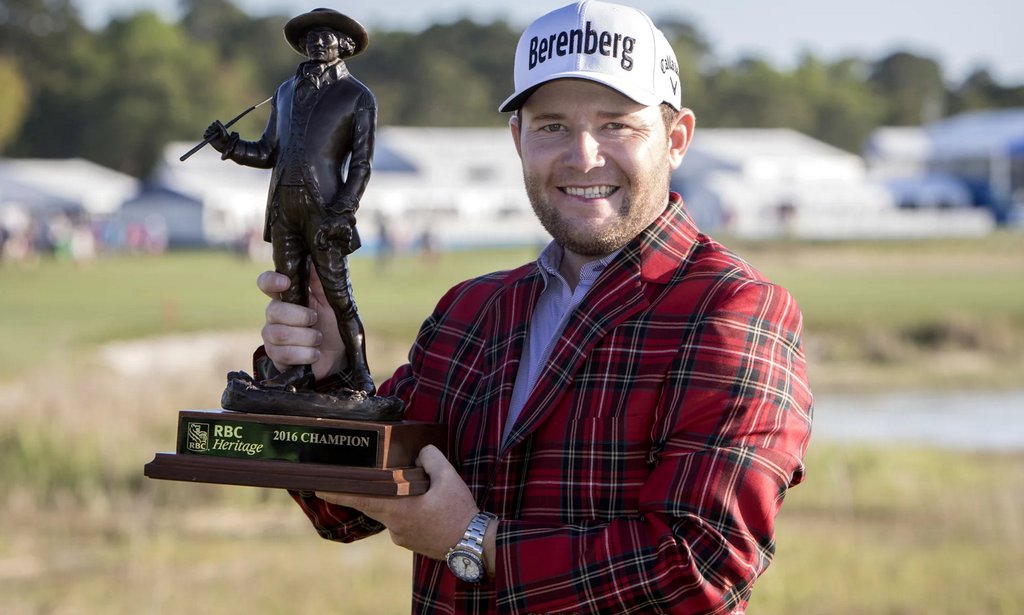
pixel 1016 148
pixel 977 134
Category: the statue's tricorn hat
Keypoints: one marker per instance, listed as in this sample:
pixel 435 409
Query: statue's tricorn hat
pixel 296 28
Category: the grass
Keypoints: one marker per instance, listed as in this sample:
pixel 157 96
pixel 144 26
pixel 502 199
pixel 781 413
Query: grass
pixel 57 307
pixel 923 314
pixel 874 312
pixel 871 531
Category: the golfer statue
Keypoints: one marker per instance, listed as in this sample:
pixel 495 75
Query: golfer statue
pixel 319 145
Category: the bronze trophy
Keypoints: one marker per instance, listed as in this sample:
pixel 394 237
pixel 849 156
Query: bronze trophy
pixel 278 430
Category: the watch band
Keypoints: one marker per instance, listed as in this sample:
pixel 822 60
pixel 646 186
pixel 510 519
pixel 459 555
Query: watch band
pixel 466 559
pixel 474 536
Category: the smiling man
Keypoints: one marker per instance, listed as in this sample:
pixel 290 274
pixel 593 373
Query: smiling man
pixel 626 413
pixel 596 165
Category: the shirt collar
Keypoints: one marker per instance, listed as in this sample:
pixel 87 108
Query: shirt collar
pixel 336 71
pixel 551 257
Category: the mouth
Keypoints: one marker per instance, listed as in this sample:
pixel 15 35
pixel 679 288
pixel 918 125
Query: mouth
pixel 589 192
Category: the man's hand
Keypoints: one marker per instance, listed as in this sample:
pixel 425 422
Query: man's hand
pixel 335 232
pixel 218 136
pixel 428 524
pixel 298 335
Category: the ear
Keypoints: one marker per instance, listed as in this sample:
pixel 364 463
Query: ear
pixel 514 126
pixel 679 136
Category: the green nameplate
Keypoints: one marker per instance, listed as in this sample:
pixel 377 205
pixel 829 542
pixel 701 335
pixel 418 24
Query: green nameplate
pixel 216 436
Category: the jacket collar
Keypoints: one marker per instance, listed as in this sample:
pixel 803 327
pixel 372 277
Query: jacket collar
pixel 666 245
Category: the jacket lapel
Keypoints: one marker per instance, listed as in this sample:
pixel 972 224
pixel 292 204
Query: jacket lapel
pixel 523 288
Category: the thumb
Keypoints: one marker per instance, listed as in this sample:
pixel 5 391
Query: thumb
pixel 433 461
pixel 272 283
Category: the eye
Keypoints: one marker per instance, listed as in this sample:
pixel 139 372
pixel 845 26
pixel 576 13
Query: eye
pixel 551 128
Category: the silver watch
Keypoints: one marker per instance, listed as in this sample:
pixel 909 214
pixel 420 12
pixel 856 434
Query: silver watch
pixel 466 559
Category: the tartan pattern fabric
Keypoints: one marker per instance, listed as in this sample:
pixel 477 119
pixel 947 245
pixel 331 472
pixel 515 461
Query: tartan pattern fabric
pixel 647 467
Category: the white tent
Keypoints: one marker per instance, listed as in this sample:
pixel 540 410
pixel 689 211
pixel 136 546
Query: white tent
pixel 44 185
pixel 774 182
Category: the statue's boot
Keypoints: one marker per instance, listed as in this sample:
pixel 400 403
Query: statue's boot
pixel 364 382
pixel 352 334
pixel 292 379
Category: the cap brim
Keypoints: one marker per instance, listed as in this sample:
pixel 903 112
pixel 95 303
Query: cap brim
pixel 517 100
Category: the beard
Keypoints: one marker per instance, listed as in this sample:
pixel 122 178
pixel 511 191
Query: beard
pixel 645 199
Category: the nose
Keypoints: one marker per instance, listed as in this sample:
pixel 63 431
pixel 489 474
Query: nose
pixel 584 152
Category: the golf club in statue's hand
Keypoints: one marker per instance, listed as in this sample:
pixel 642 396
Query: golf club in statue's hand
pixel 208 136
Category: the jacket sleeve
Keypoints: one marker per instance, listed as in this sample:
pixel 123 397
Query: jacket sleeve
pixel 732 427
pixel 333 522
pixel 364 126
pixel 260 154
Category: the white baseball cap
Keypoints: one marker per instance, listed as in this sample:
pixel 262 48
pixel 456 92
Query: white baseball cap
pixel 611 44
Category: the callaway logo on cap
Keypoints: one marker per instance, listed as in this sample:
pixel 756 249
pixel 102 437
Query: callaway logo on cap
pixel 608 43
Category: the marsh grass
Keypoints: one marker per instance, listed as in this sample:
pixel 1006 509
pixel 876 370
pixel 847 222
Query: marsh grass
pixel 900 531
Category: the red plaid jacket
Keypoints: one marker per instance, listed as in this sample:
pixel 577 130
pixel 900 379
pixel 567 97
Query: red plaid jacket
pixel 646 469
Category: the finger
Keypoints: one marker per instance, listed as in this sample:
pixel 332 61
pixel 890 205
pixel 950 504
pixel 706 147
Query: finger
pixel 340 499
pixel 291 345
pixel 272 283
pixel 290 314
pixel 287 356
pixel 364 504
pixel 284 335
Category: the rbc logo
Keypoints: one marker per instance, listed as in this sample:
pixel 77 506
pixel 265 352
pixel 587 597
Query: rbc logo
pixel 198 437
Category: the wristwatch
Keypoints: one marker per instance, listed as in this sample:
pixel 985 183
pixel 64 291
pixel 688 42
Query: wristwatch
pixel 466 559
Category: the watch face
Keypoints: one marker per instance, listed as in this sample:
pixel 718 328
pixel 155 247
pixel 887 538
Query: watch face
pixel 466 566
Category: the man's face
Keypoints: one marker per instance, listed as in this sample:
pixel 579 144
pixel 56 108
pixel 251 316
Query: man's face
pixel 322 45
pixel 596 164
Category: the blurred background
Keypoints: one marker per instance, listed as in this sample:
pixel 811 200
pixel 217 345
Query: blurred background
pixel 870 158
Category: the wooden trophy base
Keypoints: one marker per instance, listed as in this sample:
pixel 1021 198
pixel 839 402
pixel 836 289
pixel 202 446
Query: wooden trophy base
pixel 298 453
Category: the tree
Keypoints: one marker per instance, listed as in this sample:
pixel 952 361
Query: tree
pixel 845 109
pixel 912 86
pixel 981 91
pixel 141 84
pixel 448 75
pixel 214 21
pixel 753 94
pixel 254 45
pixel 14 102
pixel 165 87
pixel 693 53
pixel 35 38
pixel 37 32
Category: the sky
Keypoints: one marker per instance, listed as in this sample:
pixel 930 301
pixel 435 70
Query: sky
pixel 962 35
